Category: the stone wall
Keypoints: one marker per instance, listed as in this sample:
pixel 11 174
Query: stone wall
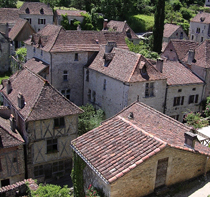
pixel 4 54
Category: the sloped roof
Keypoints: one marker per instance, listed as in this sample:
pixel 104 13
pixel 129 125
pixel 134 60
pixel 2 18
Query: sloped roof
pixel 8 15
pixel 54 38
pixel 121 143
pixel 125 66
pixel 8 138
pixel 169 29
pixel 70 12
pixel 42 101
pixel 182 47
pixel 35 7
pixel 202 55
pixel 120 26
pixel 203 17
pixel 177 74
pixel 36 65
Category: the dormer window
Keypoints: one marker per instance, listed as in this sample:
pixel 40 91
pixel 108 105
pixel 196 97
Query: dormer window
pixel 42 11
pixel 27 11
pixel 144 70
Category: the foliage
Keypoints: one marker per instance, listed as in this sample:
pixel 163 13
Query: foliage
pixel 87 22
pixel 94 192
pixel 4 76
pixel 159 25
pixel 19 4
pixel 8 3
pixel 195 120
pixel 50 190
pixel 207 110
pixel 65 23
pixel 186 13
pixel 21 54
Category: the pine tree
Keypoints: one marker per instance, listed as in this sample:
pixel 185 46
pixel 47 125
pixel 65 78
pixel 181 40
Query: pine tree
pixel 159 25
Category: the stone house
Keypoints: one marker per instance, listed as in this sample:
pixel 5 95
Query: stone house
pixel 67 52
pixel 38 14
pixel 118 77
pixel 46 120
pixel 200 27
pixel 207 3
pixel 4 53
pixel 12 167
pixel 172 31
pixel 184 89
pixel 138 150
pixel 71 14
pixel 121 26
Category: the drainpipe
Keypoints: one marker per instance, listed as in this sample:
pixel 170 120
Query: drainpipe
pixel 51 68
pixel 164 107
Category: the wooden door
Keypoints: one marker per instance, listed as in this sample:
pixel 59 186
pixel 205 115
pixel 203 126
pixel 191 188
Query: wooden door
pixel 161 172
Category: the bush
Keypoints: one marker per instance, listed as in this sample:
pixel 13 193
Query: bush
pixel 94 192
pixel 186 13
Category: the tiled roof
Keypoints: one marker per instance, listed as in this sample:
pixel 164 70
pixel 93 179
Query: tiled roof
pixel 202 56
pixel 54 38
pixel 70 12
pixel 120 143
pixel 120 26
pixel 8 15
pixel 35 7
pixel 177 74
pixel 203 17
pixel 41 100
pixel 125 66
pixel 45 38
pixel 183 46
pixel 8 138
pixel 19 24
pixel 36 65
pixel 169 29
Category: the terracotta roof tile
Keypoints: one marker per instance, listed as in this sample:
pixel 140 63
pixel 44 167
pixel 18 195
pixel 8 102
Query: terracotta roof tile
pixel 169 29
pixel 203 17
pixel 35 7
pixel 8 138
pixel 105 148
pixel 8 15
pixel 36 65
pixel 177 74
pixel 70 12
pixel 42 101
pixel 125 66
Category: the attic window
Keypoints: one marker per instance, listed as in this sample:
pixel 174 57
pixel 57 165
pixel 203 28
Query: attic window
pixel 202 19
pixel 42 11
pixel 144 70
pixel 128 33
pixel 27 11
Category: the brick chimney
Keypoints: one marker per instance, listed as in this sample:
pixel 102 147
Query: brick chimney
pixel 9 87
pixel 12 123
pixel 159 64
pixel 21 102
pixel 190 139
pixel 105 24
pixel 191 56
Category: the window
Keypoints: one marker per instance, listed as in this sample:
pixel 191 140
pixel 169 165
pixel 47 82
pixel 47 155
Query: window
pixel 94 96
pixel 28 19
pixel 38 171
pixel 41 21
pixel 58 166
pixel 14 159
pixel 27 11
pixel 179 90
pixel 176 117
pixel 198 30
pixel 89 95
pixel 5 182
pixel 192 37
pixel 178 100
pixel 193 99
pixel 59 122
pixel 181 35
pixel 149 90
pixel 104 86
pixel 41 11
pixel 66 93
pixel 201 39
pixel 52 146
pixel 41 53
pixel 34 50
pixel 87 75
pixel 76 57
pixel 65 75
pixel 193 89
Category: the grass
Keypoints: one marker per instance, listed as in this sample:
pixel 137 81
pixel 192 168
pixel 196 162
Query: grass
pixel 19 4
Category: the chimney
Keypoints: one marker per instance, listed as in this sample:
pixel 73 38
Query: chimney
pixel 190 139
pixel 191 56
pixel 9 87
pixel 159 64
pixel 7 30
pixel 21 102
pixel 105 24
pixel 12 123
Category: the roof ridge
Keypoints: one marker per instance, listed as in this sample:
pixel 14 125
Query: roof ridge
pixel 134 68
pixel 56 37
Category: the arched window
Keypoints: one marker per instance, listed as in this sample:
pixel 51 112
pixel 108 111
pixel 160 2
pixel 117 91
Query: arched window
pixel 42 11
pixel 27 11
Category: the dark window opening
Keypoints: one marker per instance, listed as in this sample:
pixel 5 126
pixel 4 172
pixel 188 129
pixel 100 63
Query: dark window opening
pixel 178 100
pixel 52 146
pixel 104 86
pixel 76 57
pixel 27 11
pixel 59 122
pixel 5 182
pixel 42 11
pixel 65 75
pixel 41 21
pixel 193 98
pixel 149 90
pixel 89 94
pixel 38 171
pixel 87 75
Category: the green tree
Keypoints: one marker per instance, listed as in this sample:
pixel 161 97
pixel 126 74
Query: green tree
pixel 21 54
pixel 159 25
pixel 65 23
pixel 8 3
